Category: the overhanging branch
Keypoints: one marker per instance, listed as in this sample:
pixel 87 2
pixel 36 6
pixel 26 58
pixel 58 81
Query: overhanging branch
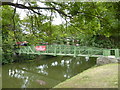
pixel 21 6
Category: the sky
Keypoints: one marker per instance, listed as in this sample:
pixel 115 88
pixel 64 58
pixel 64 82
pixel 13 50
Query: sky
pixel 56 21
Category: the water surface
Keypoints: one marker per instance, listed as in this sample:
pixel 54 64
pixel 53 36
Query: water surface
pixel 43 72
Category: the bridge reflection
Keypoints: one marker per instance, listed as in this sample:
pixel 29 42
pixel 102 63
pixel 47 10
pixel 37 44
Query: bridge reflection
pixel 47 72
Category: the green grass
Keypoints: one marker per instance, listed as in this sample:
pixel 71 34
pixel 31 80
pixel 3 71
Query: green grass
pixel 105 76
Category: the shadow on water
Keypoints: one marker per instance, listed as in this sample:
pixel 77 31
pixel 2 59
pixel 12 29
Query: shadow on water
pixel 44 72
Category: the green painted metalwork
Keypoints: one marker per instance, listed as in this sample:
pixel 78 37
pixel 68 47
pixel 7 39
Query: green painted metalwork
pixel 70 50
pixel 106 52
pixel 117 52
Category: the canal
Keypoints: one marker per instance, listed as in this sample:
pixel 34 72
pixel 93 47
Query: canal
pixel 43 72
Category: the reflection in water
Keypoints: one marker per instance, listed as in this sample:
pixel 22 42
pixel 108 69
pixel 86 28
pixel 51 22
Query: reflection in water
pixel 86 58
pixel 54 63
pixel 44 73
pixel 25 82
pixel 41 82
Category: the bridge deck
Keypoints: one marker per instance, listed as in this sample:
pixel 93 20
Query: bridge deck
pixel 68 50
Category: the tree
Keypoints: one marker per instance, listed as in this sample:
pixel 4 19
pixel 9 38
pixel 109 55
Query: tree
pixel 10 30
pixel 92 22
pixel 93 17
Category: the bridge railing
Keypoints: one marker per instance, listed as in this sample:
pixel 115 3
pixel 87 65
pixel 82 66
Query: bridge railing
pixel 70 50
pixel 111 52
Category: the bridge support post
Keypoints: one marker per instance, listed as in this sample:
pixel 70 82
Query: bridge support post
pixel 55 50
pixel 19 51
pixel 75 51
pixel 90 52
pixel 116 53
pixel 28 51
pixel 60 48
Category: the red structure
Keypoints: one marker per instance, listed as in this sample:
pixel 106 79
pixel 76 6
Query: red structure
pixel 40 48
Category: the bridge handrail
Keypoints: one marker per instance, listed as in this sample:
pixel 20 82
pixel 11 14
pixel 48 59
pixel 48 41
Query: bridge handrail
pixel 70 50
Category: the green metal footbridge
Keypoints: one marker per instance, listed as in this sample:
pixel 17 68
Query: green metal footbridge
pixel 68 50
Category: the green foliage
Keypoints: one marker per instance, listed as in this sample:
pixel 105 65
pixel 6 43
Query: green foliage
pixel 9 33
pixel 95 18
pixel 89 21
pixel 92 19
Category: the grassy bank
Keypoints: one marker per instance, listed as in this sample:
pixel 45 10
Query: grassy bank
pixel 105 76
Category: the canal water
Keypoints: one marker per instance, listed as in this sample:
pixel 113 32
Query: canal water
pixel 43 72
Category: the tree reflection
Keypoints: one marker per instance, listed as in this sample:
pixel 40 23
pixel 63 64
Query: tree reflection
pixel 46 73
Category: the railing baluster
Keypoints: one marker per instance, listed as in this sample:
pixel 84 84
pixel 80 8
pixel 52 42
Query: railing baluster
pixel 55 50
pixel 74 51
